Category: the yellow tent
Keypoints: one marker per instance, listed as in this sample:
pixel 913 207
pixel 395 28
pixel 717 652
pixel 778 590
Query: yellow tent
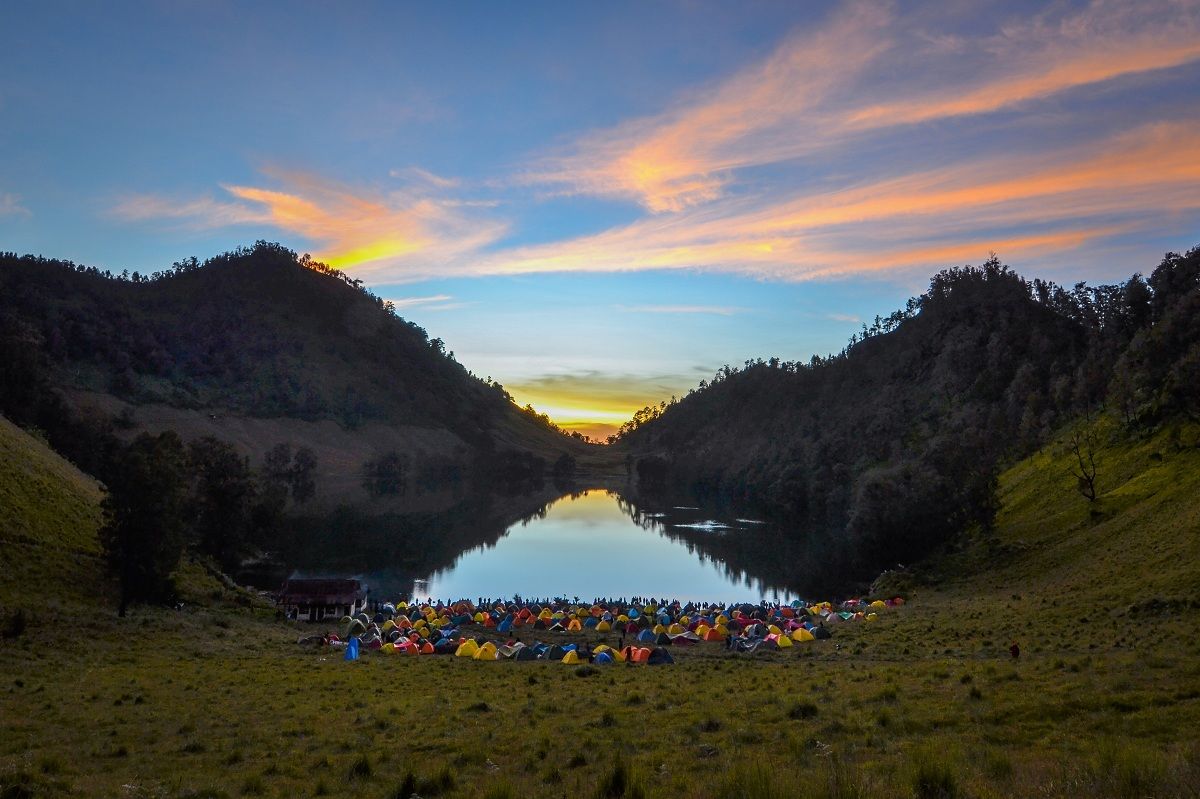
pixel 659 629
pixel 486 652
pixel 879 603
pixel 603 627
pixel 784 642
pixel 872 616
pixel 802 634
pixel 571 659
pixel 466 649
pixel 676 629
pixel 774 630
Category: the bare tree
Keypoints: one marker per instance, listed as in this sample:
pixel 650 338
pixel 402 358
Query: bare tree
pixel 1085 444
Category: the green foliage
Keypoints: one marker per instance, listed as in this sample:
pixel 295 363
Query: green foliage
pixel 933 774
pixel 144 516
pixel 387 475
pixel 223 497
pixel 899 439
pixel 258 331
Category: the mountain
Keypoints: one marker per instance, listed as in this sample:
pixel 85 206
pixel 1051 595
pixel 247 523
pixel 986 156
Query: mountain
pixel 257 347
pixel 895 445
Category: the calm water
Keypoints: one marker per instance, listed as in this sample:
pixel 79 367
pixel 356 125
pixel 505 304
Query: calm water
pixel 595 544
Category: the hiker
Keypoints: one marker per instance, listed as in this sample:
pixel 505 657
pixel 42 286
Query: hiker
pixel 1015 651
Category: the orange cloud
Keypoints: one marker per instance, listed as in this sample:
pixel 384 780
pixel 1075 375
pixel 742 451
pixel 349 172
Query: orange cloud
pixel 596 403
pixel 793 104
pixel 964 251
pixel 684 157
pixel 363 230
pixel 1142 174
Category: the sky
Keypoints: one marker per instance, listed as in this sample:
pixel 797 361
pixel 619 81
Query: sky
pixel 600 204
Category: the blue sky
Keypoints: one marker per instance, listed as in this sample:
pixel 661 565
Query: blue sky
pixel 599 204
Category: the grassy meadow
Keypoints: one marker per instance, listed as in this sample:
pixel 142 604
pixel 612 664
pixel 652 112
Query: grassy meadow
pixel 218 700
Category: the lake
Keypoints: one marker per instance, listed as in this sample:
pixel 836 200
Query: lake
pixel 593 543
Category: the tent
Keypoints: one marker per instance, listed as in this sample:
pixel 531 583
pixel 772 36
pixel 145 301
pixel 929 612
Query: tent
pixel 659 657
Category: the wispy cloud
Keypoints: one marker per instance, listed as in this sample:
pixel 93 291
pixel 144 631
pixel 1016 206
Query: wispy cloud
pixel 717 310
pixel 199 213
pixel 10 205
pixel 417 175
pixel 434 302
pixel 409 302
pixel 843 317
pixel 684 156
pixel 822 88
pixel 861 78
pixel 363 229
pixel 923 219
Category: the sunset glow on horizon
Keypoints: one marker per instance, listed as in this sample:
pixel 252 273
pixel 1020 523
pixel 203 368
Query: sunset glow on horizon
pixel 599 206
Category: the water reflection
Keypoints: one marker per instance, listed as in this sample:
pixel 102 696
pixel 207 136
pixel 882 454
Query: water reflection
pixel 594 543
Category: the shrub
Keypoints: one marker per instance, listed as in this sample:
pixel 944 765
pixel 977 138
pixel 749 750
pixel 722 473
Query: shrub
pixel 802 710
pixel 361 768
pixel 932 775
pixel 620 783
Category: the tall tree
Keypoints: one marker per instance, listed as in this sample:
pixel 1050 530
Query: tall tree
pixel 302 475
pixel 222 499
pixel 144 516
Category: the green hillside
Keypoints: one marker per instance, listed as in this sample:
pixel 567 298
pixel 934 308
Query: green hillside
pixel 893 446
pixel 49 514
pixel 1060 574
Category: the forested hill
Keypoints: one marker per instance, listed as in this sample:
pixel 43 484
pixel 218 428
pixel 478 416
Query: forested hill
pixel 255 333
pixel 896 442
